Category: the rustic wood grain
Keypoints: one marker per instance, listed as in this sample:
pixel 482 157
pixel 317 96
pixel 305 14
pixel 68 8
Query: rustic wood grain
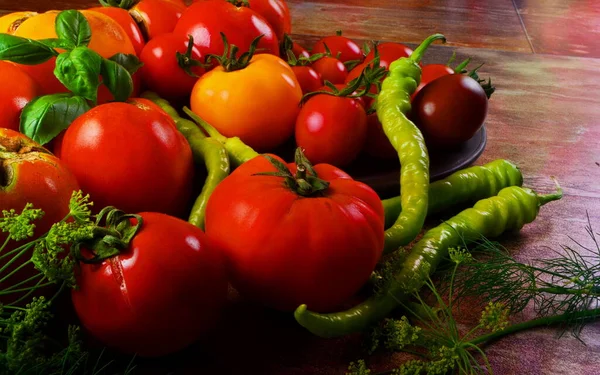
pixel 544 116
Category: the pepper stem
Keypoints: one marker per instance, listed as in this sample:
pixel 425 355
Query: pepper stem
pixel 545 198
pixel 420 50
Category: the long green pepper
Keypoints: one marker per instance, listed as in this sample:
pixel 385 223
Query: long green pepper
pixel 465 186
pixel 393 103
pixel 511 209
pixel 205 150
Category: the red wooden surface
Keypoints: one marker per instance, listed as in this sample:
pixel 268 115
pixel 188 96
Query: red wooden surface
pixel 544 116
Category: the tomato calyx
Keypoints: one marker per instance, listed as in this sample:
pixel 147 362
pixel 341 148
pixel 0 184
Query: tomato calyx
pixel 186 61
pixel 239 3
pixel 228 60
pixel 123 4
pixel 292 60
pixel 305 182
pixel 110 239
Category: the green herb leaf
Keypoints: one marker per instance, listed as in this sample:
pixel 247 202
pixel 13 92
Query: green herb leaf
pixel 79 70
pixel 58 43
pixel 118 80
pixel 24 51
pixel 45 117
pixel 128 61
pixel 73 26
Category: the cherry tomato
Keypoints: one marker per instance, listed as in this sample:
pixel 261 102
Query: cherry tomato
pixel 308 78
pixel 331 129
pixel 163 73
pixel 205 20
pixel 29 173
pixel 17 89
pixel 331 69
pixel 131 156
pixel 160 294
pixel 258 103
pixel 290 249
pixel 450 110
pixel 124 19
pixel 157 17
pixel 430 73
pixel 388 53
pixel 342 48
pixel 377 143
pixel 299 51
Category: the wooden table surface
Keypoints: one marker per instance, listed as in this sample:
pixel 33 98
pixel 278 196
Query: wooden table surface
pixel 544 58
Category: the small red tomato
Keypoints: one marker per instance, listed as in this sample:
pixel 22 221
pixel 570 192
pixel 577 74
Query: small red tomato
pixel 331 129
pixel 299 51
pixel 430 73
pixel 342 48
pixel 377 143
pixel 308 78
pixel 388 53
pixel 450 110
pixel 162 292
pixel 131 156
pixel 163 72
pixel 331 69
pixel 17 89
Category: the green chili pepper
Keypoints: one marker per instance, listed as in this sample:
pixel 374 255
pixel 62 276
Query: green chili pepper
pixel 511 209
pixel 205 150
pixel 238 151
pixel 393 103
pixel 465 186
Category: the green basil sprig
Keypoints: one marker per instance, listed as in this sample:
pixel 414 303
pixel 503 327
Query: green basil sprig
pixel 71 25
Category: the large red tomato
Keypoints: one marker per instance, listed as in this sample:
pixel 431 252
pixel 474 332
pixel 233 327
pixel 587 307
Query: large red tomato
pixel 30 174
pixel 205 20
pixel 17 89
pixel 287 248
pixel 160 294
pixel 130 155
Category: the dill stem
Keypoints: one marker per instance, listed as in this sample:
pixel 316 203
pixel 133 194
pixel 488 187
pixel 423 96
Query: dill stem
pixel 558 290
pixel 24 264
pixel 545 321
pixel 5 243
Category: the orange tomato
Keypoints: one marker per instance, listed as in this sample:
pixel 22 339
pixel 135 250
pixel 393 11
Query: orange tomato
pixel 157 17
pixel 17 89
pixel 10 22
pixel 108 38
pixel 128 24
pixel 259 103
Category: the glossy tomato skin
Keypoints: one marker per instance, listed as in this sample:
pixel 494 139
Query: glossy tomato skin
pixel 124 19
pixel 157 17
pixel 299 51
pixel 331 69
pixel 31 175
pixel 130 155
pixel 430 73
pixel 161 71
pixel 344 49
pixel 205 20
pixel 388 53
pixel 450 110
pixel 289 250
pixel 157 296
pixel 331 129
pixel 308 78
pixel 277 14
pixel 259 103
pixel 18 89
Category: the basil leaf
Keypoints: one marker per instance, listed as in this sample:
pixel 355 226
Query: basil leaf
pixel 79 71
pixel 24 51
pixel 128 61
pixel 58 43
pixel 117 79
pixel 45 117
pixel 71 25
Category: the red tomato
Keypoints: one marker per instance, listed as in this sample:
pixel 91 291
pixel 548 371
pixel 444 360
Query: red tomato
pixel 30 174
pixel 128 24
pixel 388 53
pixel 430 73
pixel 299 51
pixel 157 17
pixel 286 249
pixel 277 14
pixel 130 155
pixel 162 72
pixel 18 89
pixel 450 110
pixel 342 48
pixel 331 69
pixel 308 78
pixel 205 20
pixel 377 143
pixel 331 129
pixel 160 294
